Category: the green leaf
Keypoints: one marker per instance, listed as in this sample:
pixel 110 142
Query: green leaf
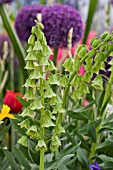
pixel 4 131
pixel 78 116
pixel 11 159
pixel 23 101
pixel 14 38
pixel 105 158
pixel 92 7
pixel 21 159
pixel 91 130
pixel 82 157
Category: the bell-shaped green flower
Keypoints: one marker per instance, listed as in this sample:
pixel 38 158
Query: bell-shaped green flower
pixel 58 108
pixel 46 122
pixel 43 61
pixel 29 83
pixel 31 39
pixel 47 51
pixel 55 100
pixel 63 81
pixel 50 66
pixel 32 132
pixel 36 74
pixel 76 65
pixel 36 104
pixel 28 112
pixel 25 124
pixel 30 94
pixel 23 141
pixel 53 79
pixel 76 80
pixel 37 46
pixel 68 64
pixel 30 65
pixel 59 129
pixel 97 83
pixel 49 93
pixel 31 55
pixel 41 145
pixel 55 143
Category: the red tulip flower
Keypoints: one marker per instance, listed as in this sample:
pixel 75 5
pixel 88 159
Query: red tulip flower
pixel 10 99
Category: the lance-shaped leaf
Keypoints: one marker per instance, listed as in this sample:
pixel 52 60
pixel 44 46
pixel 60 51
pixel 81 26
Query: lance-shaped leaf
pixel 28 112
pixel 50 66
pixel 36 104
pixel 41 145
pixel 63 81
pixel 30 94
pixel 49 93
pixel 23 141
pixel 31 55
pixel 97 82
pixel 36 74
pixel 53 79
pixel 29 83
pixel 55 100
pixel 32 132
pixel 31 39
pixel 43 61
pixel 55 143
pixel 30 65
pixel 59 109
pixel 68 64
pixel 25 124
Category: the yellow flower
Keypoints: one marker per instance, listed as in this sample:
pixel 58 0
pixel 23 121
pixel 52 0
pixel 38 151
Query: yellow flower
pixel 5 113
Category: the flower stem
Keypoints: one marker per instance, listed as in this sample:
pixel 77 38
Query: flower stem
pixel 42 159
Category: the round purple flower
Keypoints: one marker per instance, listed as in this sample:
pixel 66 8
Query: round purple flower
pixel 5 1
pixel 25 20
pixel 57 21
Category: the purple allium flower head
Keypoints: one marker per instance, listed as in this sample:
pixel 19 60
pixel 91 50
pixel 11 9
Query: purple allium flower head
pixel 5 1
pixel 94 167
pixel 58 20
pixel 25 20
pixel 111 2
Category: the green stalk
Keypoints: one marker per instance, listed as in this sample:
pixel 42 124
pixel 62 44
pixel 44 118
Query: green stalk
pixel 42 159
pixel 42 128
pixel 55 56
pixel 14 38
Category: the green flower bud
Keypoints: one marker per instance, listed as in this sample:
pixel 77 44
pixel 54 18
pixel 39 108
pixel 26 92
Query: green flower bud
pixel 55 143
pixel 59 129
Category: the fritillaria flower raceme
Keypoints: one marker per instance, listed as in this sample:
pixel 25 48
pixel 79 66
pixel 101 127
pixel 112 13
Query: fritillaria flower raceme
pixel 94 167
pixel 10 99
pixel 25 20
pixel 57 21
